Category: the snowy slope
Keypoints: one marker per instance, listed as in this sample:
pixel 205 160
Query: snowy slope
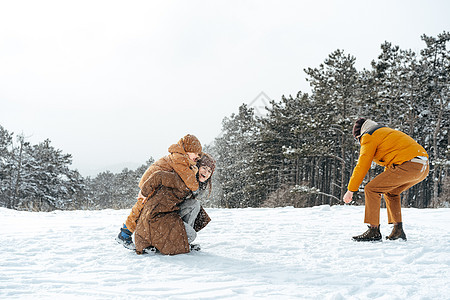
pixel 282 253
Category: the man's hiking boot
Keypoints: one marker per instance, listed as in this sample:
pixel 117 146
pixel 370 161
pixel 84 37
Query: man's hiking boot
pixel 397 232
pixel 124 238
pixel 372 234
pixel 195 247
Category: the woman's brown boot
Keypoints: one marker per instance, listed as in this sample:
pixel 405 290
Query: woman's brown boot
pixel 397 232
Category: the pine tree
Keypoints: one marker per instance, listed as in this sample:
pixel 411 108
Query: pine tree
pixel 117 191
pixel 6 167
pixel 19 185
pixel 436 66
pixel 285 142
pixel 397 78
pixel 235 159
pixel 335 91
pixel 46 182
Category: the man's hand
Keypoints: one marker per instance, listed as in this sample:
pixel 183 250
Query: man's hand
pixel 348 197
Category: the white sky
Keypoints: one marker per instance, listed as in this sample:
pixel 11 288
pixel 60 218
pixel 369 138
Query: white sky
pixel 113 82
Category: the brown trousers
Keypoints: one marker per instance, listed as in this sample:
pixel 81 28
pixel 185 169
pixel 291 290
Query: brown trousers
pixel 392 182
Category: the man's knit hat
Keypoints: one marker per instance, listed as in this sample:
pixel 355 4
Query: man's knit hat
pixel 191 143
pixel 357 127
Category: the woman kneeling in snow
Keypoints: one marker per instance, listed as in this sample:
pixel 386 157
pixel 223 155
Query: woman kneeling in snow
pixel 171 216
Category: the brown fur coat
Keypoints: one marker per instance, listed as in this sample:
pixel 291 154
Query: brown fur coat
pixel 159 224
pixel 177 161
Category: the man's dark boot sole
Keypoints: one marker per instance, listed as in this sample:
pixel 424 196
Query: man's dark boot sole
pixel 371 240
pixel 397 238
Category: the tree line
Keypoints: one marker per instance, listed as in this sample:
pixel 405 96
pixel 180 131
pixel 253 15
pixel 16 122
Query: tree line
pixel 38 178
pixel 302 152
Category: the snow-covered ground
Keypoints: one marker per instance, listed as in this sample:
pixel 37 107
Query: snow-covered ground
pixel 282 253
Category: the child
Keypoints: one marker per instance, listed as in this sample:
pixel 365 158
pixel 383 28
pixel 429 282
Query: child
pixel 182 159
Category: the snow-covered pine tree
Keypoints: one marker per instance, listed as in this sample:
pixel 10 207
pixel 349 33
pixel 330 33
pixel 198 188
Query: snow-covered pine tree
pixel 397 83
pixel 334 94
pixel 287 139
pixel 117 191
pixel 235 159
pixel 103 189
pixel 20 187
pixel 6 167
pixel 435 60
pixel 44 177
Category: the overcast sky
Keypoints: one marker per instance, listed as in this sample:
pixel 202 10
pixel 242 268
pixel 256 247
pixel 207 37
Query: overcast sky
pixel 114 82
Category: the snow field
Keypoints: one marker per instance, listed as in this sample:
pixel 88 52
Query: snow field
pixel 282 253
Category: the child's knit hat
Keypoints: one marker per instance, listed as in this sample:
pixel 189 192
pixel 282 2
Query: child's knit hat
pixel 207 160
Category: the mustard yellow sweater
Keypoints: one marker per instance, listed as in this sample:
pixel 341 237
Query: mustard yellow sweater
pixel 386 147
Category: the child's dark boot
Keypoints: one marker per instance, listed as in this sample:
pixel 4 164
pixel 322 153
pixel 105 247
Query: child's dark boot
pixel 124 238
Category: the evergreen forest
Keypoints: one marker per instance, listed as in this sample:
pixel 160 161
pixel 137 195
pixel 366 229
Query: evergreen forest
pixel 300 153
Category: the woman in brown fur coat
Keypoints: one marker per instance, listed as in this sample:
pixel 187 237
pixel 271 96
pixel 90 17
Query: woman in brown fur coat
pixel 171 215
pixel 182 159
